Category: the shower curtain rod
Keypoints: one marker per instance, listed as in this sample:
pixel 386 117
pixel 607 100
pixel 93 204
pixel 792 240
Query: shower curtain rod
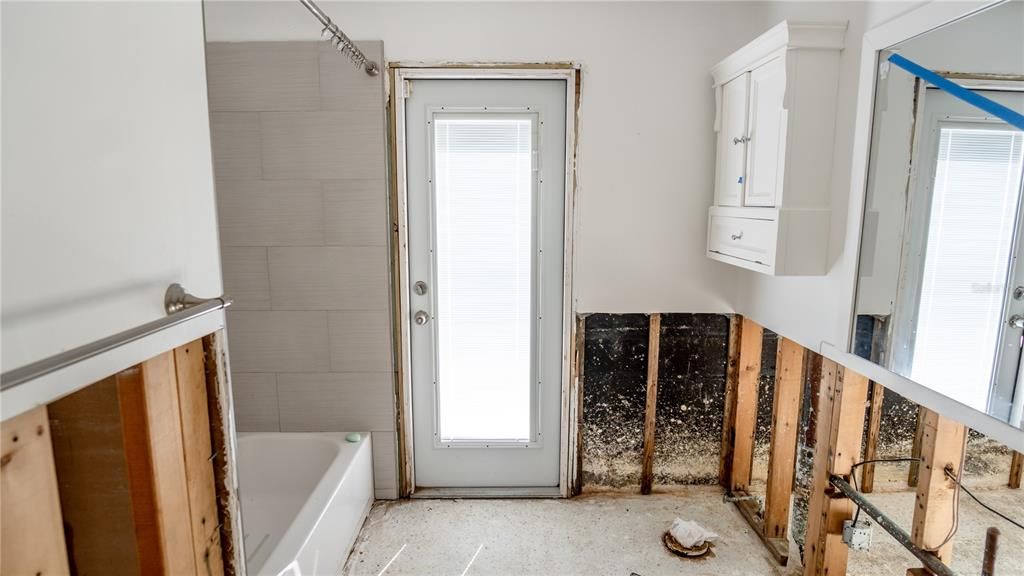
pixel 340 40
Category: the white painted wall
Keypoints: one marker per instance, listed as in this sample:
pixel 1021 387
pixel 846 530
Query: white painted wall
pixel 107 178
pixel 988 42
pixel 646 143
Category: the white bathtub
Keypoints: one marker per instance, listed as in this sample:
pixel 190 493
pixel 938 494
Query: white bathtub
pixel 304 498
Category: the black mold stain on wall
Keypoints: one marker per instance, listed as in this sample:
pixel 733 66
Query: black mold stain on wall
pixel 805 450
pixel 765 401
pixel 614 395
pixel 899 423
pixel 691 398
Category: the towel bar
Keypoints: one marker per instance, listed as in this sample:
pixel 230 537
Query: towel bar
pixel 180 305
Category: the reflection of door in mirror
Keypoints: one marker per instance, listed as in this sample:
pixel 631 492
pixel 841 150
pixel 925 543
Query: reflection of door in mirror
pixel 955 296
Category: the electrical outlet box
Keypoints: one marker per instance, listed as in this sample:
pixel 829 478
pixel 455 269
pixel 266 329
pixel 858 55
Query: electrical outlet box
pixel 857 536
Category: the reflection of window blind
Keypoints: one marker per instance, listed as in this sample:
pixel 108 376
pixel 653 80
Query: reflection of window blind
pixel 970 237
pixel 483 225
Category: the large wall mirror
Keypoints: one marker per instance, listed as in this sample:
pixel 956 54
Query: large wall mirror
pixel 940 288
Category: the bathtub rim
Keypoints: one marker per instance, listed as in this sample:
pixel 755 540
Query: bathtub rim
pixel 315 505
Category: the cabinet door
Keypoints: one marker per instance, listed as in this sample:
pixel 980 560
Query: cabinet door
pixel 766 149
pixel 731 149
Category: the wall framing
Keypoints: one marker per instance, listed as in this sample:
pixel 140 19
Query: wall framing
pixel 398 73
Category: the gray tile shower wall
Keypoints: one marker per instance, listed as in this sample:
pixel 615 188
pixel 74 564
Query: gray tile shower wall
pixel 300 163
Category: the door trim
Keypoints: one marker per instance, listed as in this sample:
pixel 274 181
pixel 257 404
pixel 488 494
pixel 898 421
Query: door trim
pixel 569 434
pixel 484 493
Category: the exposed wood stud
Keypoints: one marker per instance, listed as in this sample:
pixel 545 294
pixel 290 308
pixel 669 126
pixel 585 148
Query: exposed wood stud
pixel 789 383
pixel 155 456
pixel 840 429
pixel 189 361
pixel 751 336
pixel 88 450
pixel 218 401
pixel 915 451
pixel 935 508
pixel 732 374
pixel 867 478
pixel 577 476
pixel 32 534
pixel 739 423
pixel 402 420
pixel 1016 469
pixel 650 407
pixel 988 561
pixel 778 547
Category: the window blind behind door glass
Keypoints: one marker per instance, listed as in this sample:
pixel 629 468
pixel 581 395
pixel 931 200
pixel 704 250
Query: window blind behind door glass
pixel 483 228
pixel 974 207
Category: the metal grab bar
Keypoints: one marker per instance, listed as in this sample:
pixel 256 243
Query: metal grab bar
pixel 180 305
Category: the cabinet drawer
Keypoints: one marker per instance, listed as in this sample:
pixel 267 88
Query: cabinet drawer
pixel 748 239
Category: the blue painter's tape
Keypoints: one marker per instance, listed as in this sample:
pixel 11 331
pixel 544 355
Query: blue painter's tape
pixel 994 108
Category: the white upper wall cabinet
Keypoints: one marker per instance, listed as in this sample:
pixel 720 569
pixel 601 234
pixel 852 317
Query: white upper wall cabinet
pixel 775 118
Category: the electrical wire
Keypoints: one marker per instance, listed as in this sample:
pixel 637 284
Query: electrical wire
pixel 955 525
pixel 982 504
pixel 853 476
pixel 948 470
pixel 882 460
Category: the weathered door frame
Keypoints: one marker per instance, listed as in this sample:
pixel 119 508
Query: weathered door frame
pixel 398 74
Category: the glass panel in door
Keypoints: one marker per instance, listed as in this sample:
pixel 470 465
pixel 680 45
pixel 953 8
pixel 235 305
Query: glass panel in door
pixel 483 222
pixel 974 207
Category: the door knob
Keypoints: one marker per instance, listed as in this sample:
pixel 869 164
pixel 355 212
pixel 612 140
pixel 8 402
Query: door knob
pixel 421 318
pixel 1016 321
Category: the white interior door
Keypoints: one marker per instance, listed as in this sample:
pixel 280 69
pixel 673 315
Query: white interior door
pixel 485 163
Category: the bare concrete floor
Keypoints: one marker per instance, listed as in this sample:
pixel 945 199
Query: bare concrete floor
pixel 620 534
pixel 606 533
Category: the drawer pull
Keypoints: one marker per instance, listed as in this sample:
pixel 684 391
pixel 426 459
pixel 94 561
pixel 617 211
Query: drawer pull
pixel 737 236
